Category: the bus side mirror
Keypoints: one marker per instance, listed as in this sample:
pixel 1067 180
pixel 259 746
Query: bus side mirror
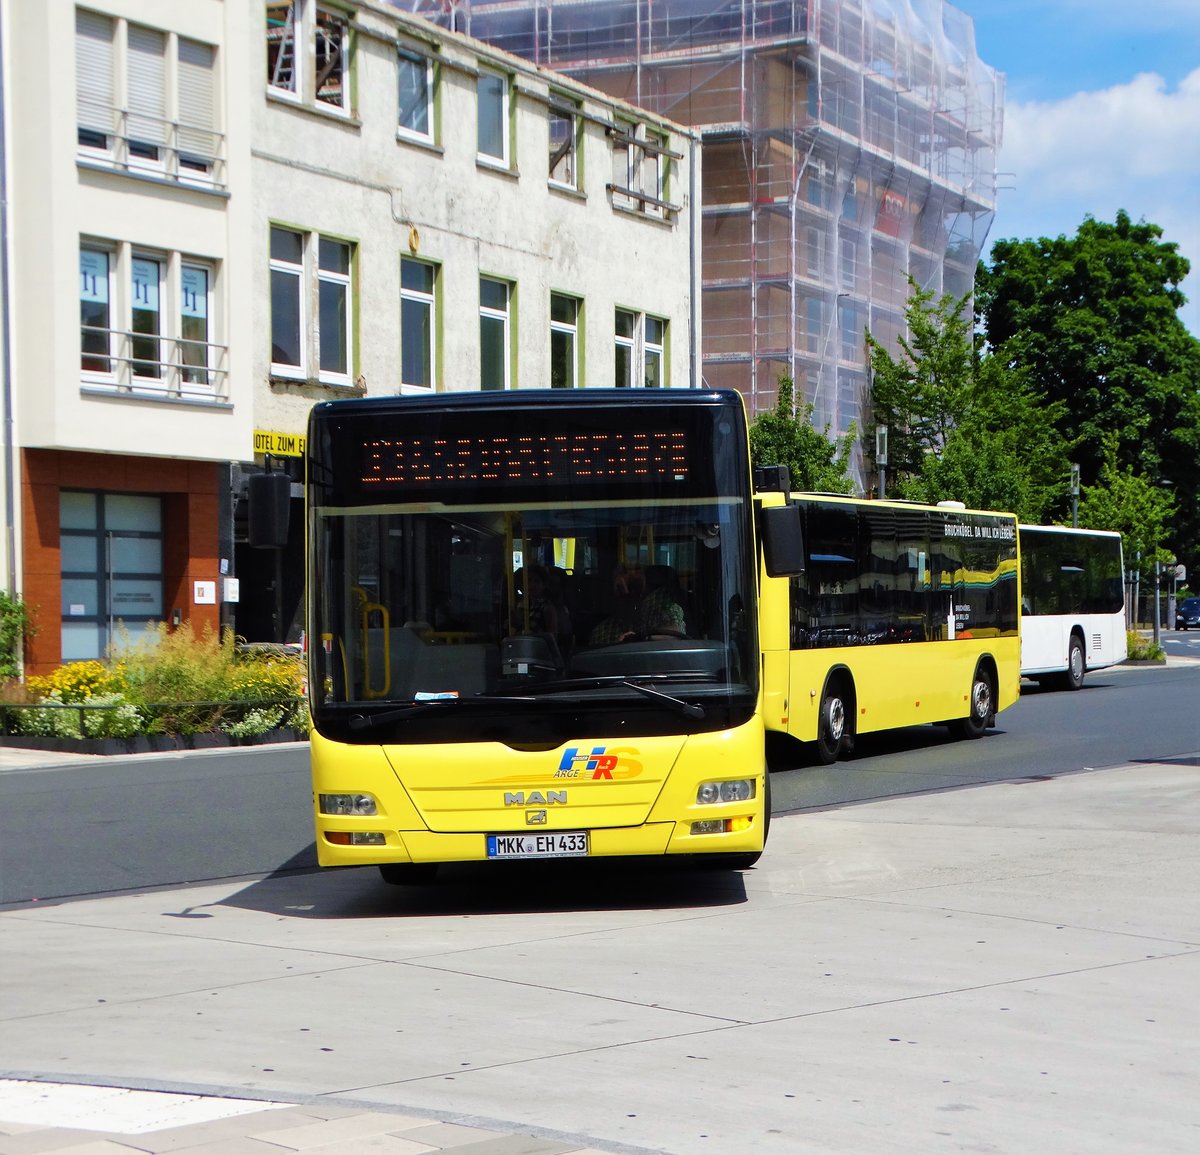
pixel 782 541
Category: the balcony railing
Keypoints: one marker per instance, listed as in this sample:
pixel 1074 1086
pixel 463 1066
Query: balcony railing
pixel 153 365
pixel 144 145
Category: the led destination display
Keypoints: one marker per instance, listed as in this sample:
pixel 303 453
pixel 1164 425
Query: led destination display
pixel 546 458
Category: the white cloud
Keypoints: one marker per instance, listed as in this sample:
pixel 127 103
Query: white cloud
pixel 1131 146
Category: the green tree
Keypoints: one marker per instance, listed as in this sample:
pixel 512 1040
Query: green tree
pixel 1004 453
pixel 1093 321
pixel 963 426
pixel 920 395
pixel 786 436
pixel 1131 504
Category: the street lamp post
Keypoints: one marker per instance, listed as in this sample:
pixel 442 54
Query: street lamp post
pixel 1157 606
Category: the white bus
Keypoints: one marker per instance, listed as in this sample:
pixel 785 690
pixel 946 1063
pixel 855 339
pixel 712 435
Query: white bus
pixel 1072 603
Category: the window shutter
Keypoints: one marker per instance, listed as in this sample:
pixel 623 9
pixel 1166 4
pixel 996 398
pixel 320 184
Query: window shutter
pixel 94 76
pixel 197 140
pixel 147 91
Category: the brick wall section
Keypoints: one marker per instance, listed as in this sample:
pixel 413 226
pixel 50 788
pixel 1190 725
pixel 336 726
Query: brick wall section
pixel 191 496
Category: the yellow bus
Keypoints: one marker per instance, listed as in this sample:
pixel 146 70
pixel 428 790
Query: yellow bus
pixel 533 629
pixel 903 614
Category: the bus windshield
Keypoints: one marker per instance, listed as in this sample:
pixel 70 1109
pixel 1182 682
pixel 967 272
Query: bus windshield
pixel 454 597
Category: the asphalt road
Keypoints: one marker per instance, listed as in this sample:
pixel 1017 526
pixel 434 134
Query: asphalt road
pixel 1125 714
pixel 102 825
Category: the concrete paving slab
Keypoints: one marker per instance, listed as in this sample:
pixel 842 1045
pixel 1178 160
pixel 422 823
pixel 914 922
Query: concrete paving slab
pixel 1007 968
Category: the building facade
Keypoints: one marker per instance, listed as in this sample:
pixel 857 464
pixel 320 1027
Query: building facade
pixel 849 146
pixel 432 214
pixel 222 212
pixel 127 320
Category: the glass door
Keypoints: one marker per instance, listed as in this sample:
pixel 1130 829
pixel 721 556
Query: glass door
pixel 112 569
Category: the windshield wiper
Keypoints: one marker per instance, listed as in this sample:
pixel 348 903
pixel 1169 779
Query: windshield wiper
pixel 688 709
pixel 367 721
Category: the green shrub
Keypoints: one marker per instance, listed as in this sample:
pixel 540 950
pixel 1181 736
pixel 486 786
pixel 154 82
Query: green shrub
pixel 176 682
pixel 1142 649
pixel 15 627
pixel 123 720
pixel 52 722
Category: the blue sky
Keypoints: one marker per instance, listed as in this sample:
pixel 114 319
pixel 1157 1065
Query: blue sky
pixel 1101 112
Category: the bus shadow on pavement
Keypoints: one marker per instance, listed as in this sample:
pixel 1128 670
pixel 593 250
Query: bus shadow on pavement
pixel 494 888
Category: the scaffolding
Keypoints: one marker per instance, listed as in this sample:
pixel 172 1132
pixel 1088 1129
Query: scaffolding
pixel 848 146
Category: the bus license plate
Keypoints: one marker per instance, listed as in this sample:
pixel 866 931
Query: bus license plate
pixel 559 844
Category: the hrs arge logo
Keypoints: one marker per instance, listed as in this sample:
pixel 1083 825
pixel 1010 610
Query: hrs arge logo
pixel 600 762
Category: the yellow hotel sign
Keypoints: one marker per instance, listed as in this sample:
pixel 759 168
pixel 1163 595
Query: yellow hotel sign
pixel 278 444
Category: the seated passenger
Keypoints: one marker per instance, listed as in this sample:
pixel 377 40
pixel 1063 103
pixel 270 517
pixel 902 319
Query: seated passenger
pixel 660 611
pixel 622 625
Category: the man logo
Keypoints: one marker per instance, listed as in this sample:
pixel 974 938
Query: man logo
pixel 535 798
pixel 535 818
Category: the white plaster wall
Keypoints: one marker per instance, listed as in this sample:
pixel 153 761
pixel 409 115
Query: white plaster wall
pixel 54 202
pixel 353 178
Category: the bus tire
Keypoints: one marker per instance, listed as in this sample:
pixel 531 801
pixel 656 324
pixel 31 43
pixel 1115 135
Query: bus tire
pixel 831 723
pixel 983 708
pixel 1076 665
pixel 407 873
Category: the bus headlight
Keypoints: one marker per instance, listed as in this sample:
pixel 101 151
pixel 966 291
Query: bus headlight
pixel 361 805
pixel 736 790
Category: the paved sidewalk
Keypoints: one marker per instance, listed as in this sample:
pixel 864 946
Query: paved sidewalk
pixel 1006 968
pixel 74 1119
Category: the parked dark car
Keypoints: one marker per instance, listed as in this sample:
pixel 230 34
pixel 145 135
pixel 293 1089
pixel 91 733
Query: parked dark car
pixel 1188 614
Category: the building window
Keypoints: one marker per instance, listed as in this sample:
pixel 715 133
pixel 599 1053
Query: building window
pixel 323 306
pixel 640 350
pixel 95 316
pixel 564 341
pixel 146 102
pixel 195 296
pixel 418 317
pixel 287 312
pixel 331 42
pixel 199 143
pixel 652 376
pixel 156 335
pixel 308 50
pixel 416 95
pixel 641 165
pixel 849 262
pixel 281 47
pixel 146 66
pixel 94 104
pixel 492 104
pixel 851 335
pixel 563 169
pixel 335 321
pixel 145 302
pixel 493 333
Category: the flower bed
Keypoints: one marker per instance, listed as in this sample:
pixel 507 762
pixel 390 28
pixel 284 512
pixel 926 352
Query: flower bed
pixel 171 689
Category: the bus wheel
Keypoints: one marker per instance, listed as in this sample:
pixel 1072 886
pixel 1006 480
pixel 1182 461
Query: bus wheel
pixel 407 873
pixel 982 708
pixel 1073 678
pixel 831 725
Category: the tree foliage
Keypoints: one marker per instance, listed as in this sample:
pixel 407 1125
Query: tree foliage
pixel 1093 321
pixel 964 427
pixel 786 436
pixel 1131 504
pixel 919 396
